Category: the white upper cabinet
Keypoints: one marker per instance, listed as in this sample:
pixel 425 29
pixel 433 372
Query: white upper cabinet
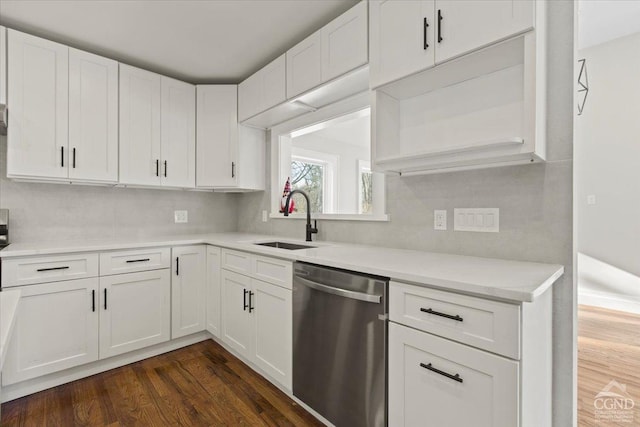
pixel 38 91
pixel 140 93
pixel 304 65
pixel 402 38
pixel 345 42
pixel 178 133
pixel 465 25
pixel 263 90
pixel 93 117
pixel 229 156
pixel 3 65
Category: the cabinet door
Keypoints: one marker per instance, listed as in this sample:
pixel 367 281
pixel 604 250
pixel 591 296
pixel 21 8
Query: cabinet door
pixel 470 24
pixel 217 136
pixel 39 100
pixel 250 97
pixel 135 311
pixel 437 382
pixel 236 323
pixel 188 290
pixel 139 126
pixel 3 65
pixel 274 83
pixel 213 290
pixel 304 65
pixel 345 42
pixel 402 38
pixel 271 317
pixel 178 134
pixel 93 117
pixel 56 329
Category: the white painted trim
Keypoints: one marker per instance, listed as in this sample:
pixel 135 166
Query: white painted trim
pixel 610 301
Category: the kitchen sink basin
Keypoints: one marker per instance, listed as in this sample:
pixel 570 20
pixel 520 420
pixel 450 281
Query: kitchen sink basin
pixel 284 245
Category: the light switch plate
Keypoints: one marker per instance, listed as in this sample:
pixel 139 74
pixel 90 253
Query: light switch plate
pixel 181 217
pixel 484 220
pixel 439 219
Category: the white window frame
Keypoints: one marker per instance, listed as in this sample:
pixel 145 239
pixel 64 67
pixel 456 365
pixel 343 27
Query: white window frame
pixel 364 166
pixel 280 136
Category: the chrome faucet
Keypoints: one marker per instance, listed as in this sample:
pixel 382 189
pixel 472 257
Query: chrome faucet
pixel 310 230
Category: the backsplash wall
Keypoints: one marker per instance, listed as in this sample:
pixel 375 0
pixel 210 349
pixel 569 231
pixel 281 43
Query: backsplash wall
pixel 39 212
pixel 535 201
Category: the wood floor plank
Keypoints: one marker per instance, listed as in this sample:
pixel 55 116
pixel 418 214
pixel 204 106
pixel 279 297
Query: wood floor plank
pixel 199 385
pixel 608 349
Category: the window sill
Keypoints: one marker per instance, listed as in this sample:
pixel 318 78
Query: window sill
pixel 333 217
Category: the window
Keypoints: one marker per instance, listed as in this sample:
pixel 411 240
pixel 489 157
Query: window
pixel 327 154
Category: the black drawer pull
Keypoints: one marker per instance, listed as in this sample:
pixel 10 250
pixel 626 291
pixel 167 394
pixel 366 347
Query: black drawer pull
pixel 455 377
pixel 138 260
pixel 437 313
pixel 53 268
pixel 177 266
pixel 74 158
pixel 440 18
pixel 425 25
pixel 157 167
pixel 62 156
pixel 165 168
pixel 245 300
pixel 105 298
pixel 251 308
pixel 93 300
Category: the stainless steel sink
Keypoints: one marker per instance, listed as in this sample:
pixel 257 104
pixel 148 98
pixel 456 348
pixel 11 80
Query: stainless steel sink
pixel 284 245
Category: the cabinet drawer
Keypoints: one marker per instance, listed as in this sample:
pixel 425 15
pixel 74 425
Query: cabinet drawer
pixel 272 270
pixel 240 262
pixel 490 325
pixel 132 261
pixel 27 271
pixel 448 384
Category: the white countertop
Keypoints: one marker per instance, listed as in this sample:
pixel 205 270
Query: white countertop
pixel 9 300
pixel 512 280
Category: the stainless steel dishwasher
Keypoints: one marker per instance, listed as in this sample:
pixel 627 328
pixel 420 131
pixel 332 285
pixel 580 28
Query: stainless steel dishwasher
pixel 340 344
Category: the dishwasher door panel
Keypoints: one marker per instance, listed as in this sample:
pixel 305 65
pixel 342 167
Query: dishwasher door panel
pixel 339 356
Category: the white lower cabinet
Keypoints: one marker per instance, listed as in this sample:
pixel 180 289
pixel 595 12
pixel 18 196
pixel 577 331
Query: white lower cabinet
pixel 57 328
pixel 135 311
pixel 437 382
pixel 188 290
pixel 256 322
pixel 212 290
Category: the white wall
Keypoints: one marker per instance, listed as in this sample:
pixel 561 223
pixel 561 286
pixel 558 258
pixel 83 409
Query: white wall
pixel 607 167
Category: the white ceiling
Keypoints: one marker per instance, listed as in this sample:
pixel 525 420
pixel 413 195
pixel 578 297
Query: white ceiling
pixel 600 21
pixel 206 41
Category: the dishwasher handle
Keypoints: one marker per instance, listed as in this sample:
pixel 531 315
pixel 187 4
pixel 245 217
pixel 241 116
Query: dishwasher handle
pixel 361 296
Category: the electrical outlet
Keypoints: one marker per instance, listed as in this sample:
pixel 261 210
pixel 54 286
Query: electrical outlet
pixel 264 216
pixel 485 220
pixel 181 217
pixel 439 220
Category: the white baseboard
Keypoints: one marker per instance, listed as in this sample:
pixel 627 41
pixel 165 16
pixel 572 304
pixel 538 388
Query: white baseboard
pixel 610 301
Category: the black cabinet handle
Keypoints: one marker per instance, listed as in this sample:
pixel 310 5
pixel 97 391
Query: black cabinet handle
pixel 74 157
pixel 66 267
pixel 157 167
pixel 93 300
pixel 62 156
pixel 424 33
pixel 455 377
pixel 440 18
pixel 165 168
pixel 251 308
pixel 244 302
pixel 138 260
pixel 437 313
pixel 233 169
pixel 105 298
pixel 177 266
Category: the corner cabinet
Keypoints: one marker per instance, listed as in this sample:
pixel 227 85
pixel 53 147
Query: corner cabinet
pixel 458 84
pixel 263 90
pixel 230 157
pixel 157 130
pixel 459 360
pixel 188 280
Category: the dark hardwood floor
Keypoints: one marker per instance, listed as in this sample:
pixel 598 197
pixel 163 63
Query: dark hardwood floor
pixel 199 385
pixel 608 349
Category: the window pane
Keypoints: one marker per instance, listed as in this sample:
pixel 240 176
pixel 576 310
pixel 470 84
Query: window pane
pixel 366 187
pixel 309 178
